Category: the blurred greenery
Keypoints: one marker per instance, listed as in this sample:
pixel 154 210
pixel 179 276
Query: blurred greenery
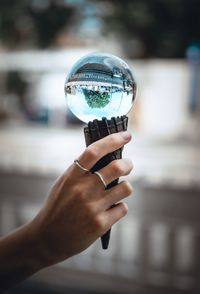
pixel 162 28
pixel 32 23
pixel 144 28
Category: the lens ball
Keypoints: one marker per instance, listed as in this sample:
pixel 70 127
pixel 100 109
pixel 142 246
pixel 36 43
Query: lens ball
pixel 100 85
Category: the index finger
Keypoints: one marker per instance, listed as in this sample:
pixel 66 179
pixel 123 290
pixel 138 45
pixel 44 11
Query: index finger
pixel 100 148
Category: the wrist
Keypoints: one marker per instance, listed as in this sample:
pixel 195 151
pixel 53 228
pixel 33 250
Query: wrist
pixel 36 252
pixel 20 256
pixel 38 234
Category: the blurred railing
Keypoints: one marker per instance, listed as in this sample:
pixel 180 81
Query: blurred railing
pixel 156 245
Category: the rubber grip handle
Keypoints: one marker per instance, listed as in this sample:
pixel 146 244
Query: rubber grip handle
pixel 97 130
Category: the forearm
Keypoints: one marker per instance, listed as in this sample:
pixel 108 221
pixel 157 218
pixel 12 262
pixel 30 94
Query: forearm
pixel 19 257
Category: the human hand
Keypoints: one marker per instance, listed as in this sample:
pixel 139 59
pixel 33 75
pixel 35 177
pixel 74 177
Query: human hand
pixel 77 210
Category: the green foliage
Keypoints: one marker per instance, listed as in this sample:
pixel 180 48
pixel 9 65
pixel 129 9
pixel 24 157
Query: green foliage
pixel 155 28
pixel 161 28
pixel 96 99
pixel 22 22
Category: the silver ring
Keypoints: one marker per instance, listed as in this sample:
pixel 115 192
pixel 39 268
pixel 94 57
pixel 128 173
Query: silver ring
pixel 101 178
pixel 76 162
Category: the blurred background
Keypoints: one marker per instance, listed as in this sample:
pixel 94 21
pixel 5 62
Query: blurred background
pixel 156 248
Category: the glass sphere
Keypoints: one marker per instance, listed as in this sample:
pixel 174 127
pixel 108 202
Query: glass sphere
pixel 100 85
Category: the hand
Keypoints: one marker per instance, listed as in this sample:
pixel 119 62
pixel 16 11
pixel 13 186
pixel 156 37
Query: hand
pixel 75 214
pixel 77 210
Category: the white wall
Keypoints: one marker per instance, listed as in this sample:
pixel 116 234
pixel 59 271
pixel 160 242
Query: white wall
pixel 163 86
pixel 163 90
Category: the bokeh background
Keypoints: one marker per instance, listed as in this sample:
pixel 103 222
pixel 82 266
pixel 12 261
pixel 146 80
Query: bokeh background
pixel 156 248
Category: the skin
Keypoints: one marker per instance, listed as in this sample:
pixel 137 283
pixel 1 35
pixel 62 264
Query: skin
pixel 76 213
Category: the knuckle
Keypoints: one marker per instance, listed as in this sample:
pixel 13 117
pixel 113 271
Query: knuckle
pixel 117 168
pixel 88 207
pixel 92 152
pixel 78 192
pixel 115 139
pixel 99 224
pixel 129 163
pixel 124 209
pixel 75 190
pixel 127 188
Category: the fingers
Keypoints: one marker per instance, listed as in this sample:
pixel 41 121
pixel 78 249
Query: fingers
pixel 116 169
pixel 116 194
pixel 100 148
pixel 114 214
pixel 111 215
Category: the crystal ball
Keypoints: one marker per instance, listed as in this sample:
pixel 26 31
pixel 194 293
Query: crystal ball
pixel 100 85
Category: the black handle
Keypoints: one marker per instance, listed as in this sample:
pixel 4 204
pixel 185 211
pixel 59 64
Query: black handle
pixel 100 164
pixel 99 129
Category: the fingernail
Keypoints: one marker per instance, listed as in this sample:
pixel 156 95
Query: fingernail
pixel 126 135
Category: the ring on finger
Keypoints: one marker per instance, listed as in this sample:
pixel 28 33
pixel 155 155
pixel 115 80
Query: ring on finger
pixel 101 178
pixel 77 163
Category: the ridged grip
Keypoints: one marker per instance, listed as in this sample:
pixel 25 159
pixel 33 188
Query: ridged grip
pixel 96 130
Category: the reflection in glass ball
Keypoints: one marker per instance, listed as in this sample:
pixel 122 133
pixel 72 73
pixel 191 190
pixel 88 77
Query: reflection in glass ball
pixel 100 85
